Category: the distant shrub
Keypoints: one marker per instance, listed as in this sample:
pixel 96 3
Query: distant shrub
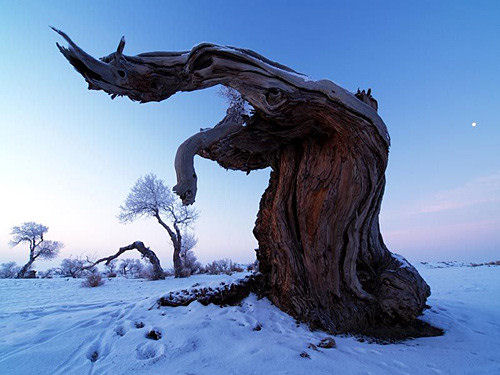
pixel 253 266
pixel 222 266
pixel 190 263
pixel 169 272
pixel 72 267
pixel 8 270
pixel 237 268
pixel 131 268
pixel 92 280
pixel 492 263
pixel 49 274
pixel 185 272
pixel 147 272
pixel 110 268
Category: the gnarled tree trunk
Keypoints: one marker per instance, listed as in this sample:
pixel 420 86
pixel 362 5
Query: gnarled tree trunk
pixel 319 242
pixel 320 248
pixel 24 270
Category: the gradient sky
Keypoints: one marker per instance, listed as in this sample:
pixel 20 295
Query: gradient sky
pixel 68 156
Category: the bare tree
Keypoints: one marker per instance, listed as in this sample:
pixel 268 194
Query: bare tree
pixel 321 253
pixel 151 197
pixel 32 234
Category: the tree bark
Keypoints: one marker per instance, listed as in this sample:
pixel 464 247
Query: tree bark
pixel 320 248
pixel 176 238
pixel 321 252
pixel 22 272
pixel 177 262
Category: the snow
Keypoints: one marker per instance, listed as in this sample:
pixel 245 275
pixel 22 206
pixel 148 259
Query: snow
pixel 401 259
pixel 57 327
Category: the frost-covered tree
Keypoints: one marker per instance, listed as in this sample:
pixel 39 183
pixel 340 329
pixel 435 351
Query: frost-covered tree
pixel 190 263
pixel 72 267
pixel 32 233
pixel 151 197
pixel 222 266
pixel 129 267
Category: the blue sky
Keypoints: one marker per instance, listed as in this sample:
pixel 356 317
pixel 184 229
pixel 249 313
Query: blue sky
pixel 68 156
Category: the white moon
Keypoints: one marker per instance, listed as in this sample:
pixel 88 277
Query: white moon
pixel 474 124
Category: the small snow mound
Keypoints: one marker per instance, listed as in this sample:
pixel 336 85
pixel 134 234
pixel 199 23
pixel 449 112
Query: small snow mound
pixel 93 352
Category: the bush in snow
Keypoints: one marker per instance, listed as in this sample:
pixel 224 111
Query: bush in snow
pixel 8 270
pixel 72 267
pixel 93 279
pixel 226 266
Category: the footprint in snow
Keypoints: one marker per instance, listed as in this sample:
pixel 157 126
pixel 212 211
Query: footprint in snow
pixel 149 350
pixel 96 351
pixel 120 330
pixel 93 352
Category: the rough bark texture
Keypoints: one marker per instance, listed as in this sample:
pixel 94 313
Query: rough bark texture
pixel 147 253
pixel 24 270
pixel 321 253
pixel 176 238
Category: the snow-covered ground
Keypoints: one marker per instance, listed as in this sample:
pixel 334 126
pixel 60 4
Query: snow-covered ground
pixel 57 327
